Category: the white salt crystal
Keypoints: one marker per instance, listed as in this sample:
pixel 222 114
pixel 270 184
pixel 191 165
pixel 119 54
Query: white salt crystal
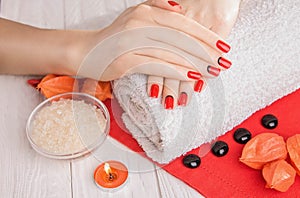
pixel 67 126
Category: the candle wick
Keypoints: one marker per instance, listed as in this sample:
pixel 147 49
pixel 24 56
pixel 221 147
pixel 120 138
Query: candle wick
pixel 111 177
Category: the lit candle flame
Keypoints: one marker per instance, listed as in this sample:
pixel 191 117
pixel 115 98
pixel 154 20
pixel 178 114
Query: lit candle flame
pixel 107 168
pixel 110 175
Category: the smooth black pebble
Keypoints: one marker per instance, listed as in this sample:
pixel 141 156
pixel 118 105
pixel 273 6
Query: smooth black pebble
pixel 269 121
pixel 191 161
pixel 242 135
pixel 220 148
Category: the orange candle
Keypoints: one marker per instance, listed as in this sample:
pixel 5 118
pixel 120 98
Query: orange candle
pixel 111 175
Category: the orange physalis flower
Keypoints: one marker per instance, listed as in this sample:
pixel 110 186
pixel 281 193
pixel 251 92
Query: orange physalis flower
pixel 52 85
pixel 262 149
pixel 279 175
pixel 293 147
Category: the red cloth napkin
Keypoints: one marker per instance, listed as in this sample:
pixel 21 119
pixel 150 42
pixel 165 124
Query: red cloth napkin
pixel 226 176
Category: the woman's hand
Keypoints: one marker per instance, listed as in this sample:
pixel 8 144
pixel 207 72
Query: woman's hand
pixel 156 60
pixel 216 15
pixel 219 16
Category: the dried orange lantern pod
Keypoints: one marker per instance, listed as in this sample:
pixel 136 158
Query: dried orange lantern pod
pixel 101 90
pixel 279 175
pixel 262 149
pixel 52 85
pixel 293 147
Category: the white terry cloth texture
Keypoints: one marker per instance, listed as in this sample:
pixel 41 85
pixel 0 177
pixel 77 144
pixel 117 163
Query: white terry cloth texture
pixel 266 66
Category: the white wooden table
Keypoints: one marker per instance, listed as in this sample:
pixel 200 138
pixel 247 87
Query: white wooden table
pixel 23 172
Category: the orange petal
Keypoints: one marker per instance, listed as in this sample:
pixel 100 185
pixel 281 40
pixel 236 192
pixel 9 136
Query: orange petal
pixel 48 77
pixel 101 90
pixel 104 91
pixel 52 86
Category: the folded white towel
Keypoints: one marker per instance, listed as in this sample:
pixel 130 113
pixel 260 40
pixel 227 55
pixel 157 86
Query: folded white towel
pixel 266 56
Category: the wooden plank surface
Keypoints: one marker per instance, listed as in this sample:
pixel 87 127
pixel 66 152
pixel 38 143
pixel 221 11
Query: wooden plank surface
pixel 24 173
pixel 172 187
pixel 94 14
pixel 40 13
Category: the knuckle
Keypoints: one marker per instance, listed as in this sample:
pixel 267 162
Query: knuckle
pixel 141 9
pixel 137 15
pixel 131 23
pixel 222 19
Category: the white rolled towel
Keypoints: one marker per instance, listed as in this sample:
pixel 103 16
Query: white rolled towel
pixel 266 66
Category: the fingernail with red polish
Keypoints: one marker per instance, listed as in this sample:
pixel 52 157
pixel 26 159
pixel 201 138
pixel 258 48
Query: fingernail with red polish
pixel 223 46
pixel 154 91
pixel 224 63
pixel 194 75
pixel 169 102
pixel 182 100
pixel 213 70
pixel 173 3
pixel 198 85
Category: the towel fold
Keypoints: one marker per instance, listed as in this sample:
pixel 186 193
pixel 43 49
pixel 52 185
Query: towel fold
pixel 265 54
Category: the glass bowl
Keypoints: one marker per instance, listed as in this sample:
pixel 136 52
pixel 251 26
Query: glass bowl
pixel 68 126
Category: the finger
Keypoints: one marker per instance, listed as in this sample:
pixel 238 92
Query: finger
pixel 223 26
pixel 199 85
pixel 168 5
pixel 223 31
pixel 184 60
pixel 129 64
pixel 186 89
pixel 180 43
pixel 218 59
pixel 110 49
pixel 221 62
pixel 167 56
pixel 224 63
pixel 170 93
pixel 185 92
pixel 191 27
pixel 154 86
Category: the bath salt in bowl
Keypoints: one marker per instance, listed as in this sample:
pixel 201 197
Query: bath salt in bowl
pixel 68 125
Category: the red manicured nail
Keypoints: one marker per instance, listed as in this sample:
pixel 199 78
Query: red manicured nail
pixel 223 46
pixel 213 70
pixel 169 102
pixel 194 75
pixel 182 100
pixel 154 91
pixel 224 62
pixel 173 3
pixel 198 85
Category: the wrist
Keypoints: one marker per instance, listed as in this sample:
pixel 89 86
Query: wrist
pixel 77 45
